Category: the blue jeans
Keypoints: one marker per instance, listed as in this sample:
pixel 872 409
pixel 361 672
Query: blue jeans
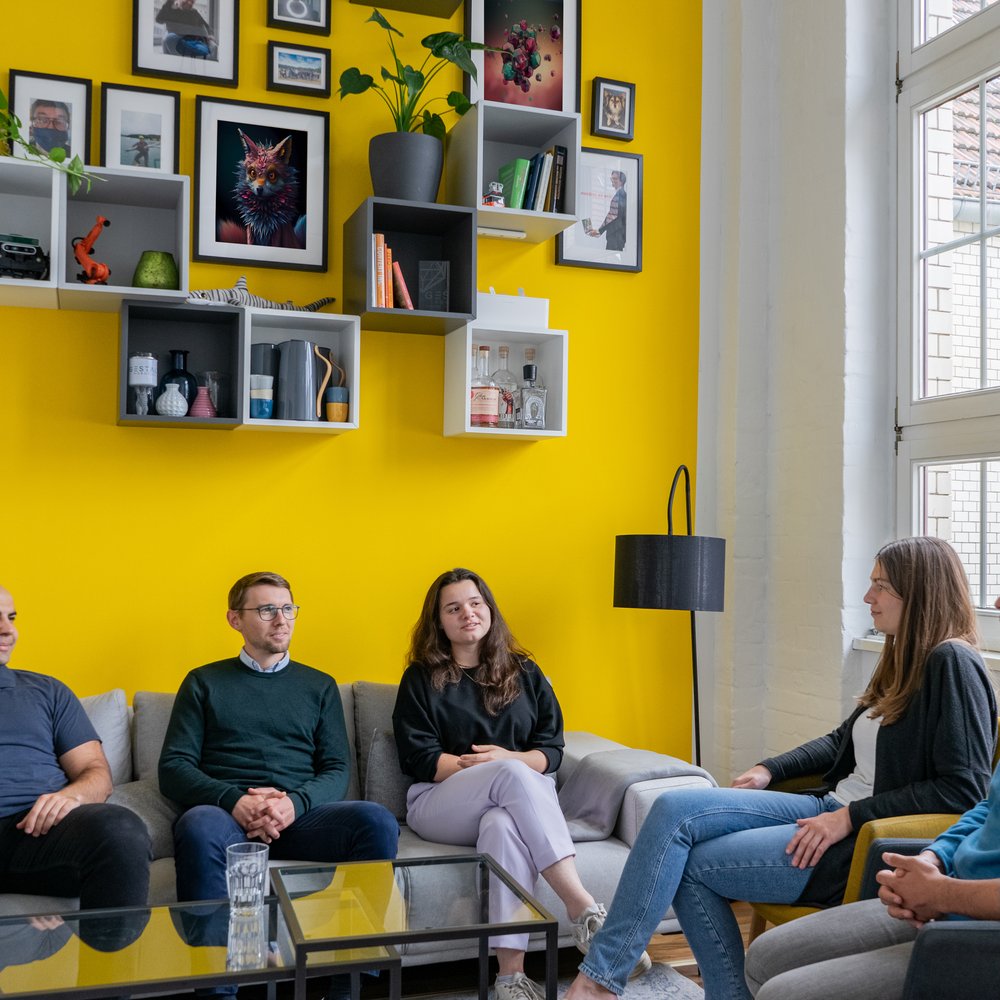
pixel 697 849
pixel 187 45
pixel 338 831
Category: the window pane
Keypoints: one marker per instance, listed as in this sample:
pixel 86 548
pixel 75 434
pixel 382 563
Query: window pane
pixel 937 16
pixel 960 502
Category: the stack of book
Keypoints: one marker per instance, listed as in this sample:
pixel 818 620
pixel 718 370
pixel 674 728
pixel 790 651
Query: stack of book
pixel 389 289
pixel 537 184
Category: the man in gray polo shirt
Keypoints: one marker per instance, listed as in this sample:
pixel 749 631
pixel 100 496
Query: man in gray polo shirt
pixel 58 836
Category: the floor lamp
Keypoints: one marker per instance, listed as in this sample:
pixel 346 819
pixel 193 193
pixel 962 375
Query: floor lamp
pixel 673 572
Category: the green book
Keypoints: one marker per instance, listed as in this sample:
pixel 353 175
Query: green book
pixel 513 176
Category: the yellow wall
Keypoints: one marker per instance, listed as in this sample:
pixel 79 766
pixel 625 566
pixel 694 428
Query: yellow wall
pixel 121 543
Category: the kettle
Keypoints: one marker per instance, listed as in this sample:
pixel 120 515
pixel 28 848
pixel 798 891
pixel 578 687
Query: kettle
pixel 303 374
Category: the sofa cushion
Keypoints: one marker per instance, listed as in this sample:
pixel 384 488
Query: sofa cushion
pixel 156 811
pixel 373 704
pixel 109 714
pixel 385 783
pixel 152 713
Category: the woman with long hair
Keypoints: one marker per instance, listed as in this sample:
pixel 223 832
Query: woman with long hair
pixel 478 727
pixel 920 740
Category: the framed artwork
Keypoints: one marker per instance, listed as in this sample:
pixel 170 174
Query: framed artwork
pixel 54 111
pixel 260 184
pixel 187 40
pixel 542 67
pixel 300 15
pixel 608 232
pixel 140 128
pixel 298 69
pixel 613 109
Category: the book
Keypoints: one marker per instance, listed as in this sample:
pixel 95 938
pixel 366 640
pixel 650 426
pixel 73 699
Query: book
pixel 402 293
pixel 559 179
pixel 379 240
pixel 513 176
pixel 387 268
pixel 531 184
pixel 544 176
pixel 433 285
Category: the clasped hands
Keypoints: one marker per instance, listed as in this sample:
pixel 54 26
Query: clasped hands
pixel 264 813
pixel 910 888
pixel 482 753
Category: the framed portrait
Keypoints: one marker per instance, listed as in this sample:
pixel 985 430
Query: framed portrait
pixel 187 40
pixel 140 128
pixel 260 184
pixel 613 109
pixel 608 230
pixel 546 75
pixel 54 111
pixel 300 15
pixel 298 69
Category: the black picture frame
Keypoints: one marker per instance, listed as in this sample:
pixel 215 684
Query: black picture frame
pixel 300 15
pixel 226 233
pixel 69 97
pixel 159 51
pixel 613 109
pixel 489 21
pixel 598 191
pixel 298 69
pixel 148 118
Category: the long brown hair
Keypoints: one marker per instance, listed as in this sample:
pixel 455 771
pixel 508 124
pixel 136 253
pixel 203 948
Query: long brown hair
pixel 500 654
pixel 928 575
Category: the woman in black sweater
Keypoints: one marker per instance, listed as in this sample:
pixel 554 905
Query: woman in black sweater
pixel 479 728
pixel 920 740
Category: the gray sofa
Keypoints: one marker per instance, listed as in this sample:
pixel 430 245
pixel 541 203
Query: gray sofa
pixel 133 735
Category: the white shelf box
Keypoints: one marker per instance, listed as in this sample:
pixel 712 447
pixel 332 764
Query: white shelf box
pixel 146 211
pixel 29 194
pixel 339 333
pixel 519 322
pixel 493 134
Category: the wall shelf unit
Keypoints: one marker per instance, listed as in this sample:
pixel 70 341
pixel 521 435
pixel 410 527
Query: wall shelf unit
pixel 147 212
pixel 489 136
pixel 517 321
pixel 29 193
pixel 416 231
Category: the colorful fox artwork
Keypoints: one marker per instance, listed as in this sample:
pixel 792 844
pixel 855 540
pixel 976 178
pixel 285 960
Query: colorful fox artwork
pixel 267 196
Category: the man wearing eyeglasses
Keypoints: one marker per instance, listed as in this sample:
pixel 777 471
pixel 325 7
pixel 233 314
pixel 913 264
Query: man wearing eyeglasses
pixel 256 748
pixel 50 122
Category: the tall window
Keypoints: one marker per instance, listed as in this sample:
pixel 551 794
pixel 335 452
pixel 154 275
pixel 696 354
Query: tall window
pixel 948 391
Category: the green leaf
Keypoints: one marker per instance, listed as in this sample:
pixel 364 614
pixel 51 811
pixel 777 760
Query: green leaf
pixel 383 23
pixel 459 102
pixel 3 101
pixel 353 81
pixel 453 48
pixel 57 155
pixel 433 125
pixel 387 76
pixel 414 80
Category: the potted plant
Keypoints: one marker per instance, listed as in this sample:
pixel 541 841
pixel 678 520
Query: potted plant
pixel 407 163
pixel 10 136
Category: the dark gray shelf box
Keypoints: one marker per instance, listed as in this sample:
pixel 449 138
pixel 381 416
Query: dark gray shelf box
pixel 214 336
pixel 416 231
pixel 433 8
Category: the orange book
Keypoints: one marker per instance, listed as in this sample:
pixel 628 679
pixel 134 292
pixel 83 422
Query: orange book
pixel 402 293
pixel 379 270
pixel 388 277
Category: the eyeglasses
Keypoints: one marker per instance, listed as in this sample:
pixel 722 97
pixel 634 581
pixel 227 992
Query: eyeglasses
pixel 268 612
pixel 44 121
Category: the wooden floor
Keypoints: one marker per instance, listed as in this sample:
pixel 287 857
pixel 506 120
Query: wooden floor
pixel 673 948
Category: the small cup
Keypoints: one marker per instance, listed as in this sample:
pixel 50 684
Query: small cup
pixel 261 408
pixel 246 876
pixel 337 399
pixel 261 381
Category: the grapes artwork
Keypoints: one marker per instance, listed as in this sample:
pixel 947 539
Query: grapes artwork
pixel 528 70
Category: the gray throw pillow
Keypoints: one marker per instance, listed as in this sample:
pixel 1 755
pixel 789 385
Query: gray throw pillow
pixel 108 712
pixel 385 783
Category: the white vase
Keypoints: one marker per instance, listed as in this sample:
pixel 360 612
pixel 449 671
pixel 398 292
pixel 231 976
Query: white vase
pixel 171 403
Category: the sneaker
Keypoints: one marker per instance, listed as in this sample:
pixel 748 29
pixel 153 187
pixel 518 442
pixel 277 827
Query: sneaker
pixel 589 923
pixel 519 988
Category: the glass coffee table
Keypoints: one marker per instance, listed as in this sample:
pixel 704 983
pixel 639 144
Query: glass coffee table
pixel 338 916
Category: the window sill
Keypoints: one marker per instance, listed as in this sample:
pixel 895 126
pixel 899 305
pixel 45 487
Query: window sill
pixel 874 644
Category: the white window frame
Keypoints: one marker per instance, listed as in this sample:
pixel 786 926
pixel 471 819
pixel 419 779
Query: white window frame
pixel 965 426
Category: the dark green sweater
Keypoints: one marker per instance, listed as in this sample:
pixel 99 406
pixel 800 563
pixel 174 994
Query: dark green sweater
pixel 233 728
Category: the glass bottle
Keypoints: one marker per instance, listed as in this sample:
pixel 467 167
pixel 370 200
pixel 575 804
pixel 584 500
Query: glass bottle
pixel 532 400
pixel 484 396
pixel 504 380
pixel 529 359
pixel 180 376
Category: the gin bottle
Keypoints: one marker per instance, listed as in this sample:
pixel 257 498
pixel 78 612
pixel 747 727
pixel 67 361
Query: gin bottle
pixel 484 396
pixel 505 382
pixel 529 359
pixel 532 399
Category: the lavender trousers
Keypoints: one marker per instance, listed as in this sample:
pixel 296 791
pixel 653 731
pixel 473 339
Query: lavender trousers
pixel 505 809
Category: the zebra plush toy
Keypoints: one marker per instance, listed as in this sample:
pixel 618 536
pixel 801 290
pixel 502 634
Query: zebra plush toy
pixel 238 295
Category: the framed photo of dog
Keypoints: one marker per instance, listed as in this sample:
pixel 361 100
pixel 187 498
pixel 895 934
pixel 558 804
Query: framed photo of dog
pixel 260 184
pixel 613 109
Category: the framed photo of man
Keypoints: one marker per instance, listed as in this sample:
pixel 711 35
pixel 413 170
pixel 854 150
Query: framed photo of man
pixel 140 128
pixel 187 40
pixel 54 112
pixel 608 233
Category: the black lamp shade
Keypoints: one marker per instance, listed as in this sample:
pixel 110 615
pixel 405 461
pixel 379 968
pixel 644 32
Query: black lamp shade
pixel 675 572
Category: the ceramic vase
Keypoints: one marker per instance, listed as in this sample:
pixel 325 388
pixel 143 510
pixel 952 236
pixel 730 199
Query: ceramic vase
pixel 171 403
pixel 180 376
pixel 156 269
pixel 202 405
